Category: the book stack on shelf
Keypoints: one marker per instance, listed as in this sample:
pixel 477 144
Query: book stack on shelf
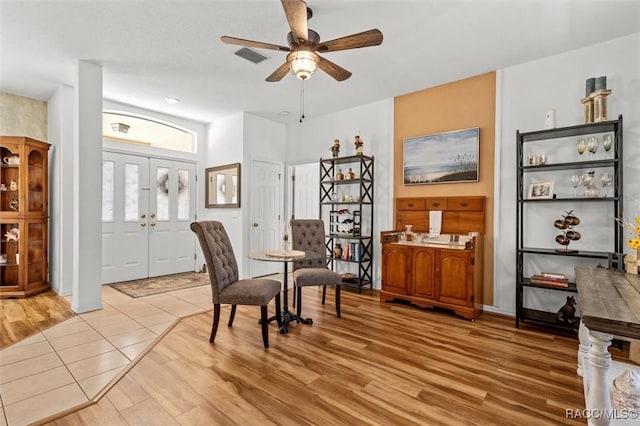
pixel 351 251
pixel 550 279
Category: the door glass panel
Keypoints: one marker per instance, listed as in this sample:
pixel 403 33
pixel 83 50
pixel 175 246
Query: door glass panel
pixel 162 193
pixel 131 192
pixel 107 190
pixel 183 194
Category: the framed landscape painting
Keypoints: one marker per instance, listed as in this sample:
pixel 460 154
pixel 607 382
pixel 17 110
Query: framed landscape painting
pixel 441 158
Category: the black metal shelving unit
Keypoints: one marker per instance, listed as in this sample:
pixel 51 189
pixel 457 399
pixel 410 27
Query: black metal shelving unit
pixel 347 206
pixel 526 253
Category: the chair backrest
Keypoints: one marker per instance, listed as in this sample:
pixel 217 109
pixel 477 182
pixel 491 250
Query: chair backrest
pixel 308 235
pixel 218 253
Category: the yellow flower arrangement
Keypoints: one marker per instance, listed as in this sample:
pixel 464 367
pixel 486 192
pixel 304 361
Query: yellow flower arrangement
pixel 634 241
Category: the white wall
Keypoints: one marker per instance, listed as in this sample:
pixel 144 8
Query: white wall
pixel 264 140
pixel 240 138
pixel 558 82
pixel 310 140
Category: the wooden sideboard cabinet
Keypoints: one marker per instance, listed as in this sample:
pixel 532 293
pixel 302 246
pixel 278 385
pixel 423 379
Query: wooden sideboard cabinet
pixel 432 276
pixel 24 216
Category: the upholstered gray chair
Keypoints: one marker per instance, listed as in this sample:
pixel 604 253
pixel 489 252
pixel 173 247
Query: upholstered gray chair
pixel 225 286
pixel 308 235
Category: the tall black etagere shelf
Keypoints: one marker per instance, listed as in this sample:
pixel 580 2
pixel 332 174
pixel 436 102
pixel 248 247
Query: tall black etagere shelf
pixel 346 204
pixel 525 253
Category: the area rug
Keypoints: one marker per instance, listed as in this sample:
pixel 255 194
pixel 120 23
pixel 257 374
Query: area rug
pixel 156 285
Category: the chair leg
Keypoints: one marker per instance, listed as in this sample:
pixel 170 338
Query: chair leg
pixel 338 302
pixel 278 311
pixel 294 294
pixel 232 315
pixel 216 320
pixel 299 308
pixel 324 293
pixel 264 321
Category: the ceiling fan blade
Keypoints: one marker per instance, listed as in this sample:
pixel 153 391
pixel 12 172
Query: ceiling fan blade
pixel 251 43
pixel 278 74
pixel 354 41
pixel 333 70
pixel 296 12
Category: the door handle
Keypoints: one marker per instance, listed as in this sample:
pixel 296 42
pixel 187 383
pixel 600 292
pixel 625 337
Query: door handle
pixel 255 224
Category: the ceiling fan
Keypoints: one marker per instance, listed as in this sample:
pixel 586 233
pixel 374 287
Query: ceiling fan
pixel 305 44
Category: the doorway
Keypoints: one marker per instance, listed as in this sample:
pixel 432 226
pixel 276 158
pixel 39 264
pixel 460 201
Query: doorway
pixel 267 213
pixel 147 206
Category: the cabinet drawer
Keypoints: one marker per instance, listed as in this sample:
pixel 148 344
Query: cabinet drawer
pixel 465 204
pixel 410 203
pixel 436 203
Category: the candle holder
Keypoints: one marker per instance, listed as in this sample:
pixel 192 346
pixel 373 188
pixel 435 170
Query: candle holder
pixel 587 107
pixel 600 105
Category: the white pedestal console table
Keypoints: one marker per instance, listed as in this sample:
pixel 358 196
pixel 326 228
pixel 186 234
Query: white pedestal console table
pixel 610 307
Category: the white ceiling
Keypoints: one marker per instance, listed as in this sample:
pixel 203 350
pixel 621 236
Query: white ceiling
pixel 150 50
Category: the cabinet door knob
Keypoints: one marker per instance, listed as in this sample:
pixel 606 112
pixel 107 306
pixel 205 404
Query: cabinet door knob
pixel 143 224
pixel 152 224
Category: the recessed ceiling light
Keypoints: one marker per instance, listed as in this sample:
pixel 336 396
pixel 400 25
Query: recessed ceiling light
pixel 283 113
pixel 172 100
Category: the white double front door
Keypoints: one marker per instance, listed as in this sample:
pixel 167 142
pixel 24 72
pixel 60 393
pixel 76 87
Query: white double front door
pixel 147 207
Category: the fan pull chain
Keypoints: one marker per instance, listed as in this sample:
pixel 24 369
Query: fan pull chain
pixel 301 100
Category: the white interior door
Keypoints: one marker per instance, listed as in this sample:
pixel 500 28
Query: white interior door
pixel 306 191
pixel 266 214
pixel 147 207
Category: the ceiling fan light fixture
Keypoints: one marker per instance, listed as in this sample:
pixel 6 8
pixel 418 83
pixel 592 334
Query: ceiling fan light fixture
pixel 302 63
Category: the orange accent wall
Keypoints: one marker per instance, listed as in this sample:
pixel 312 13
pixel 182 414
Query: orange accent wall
pixel 453 106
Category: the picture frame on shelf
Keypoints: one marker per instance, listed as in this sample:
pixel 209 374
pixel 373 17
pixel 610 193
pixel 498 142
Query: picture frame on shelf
pixel 442 158
pixel 541 190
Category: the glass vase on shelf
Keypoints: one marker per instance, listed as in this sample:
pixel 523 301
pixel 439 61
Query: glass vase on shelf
pixel 575 181
pixel 593 144
pixel 582 146
pixel 607 142
pixel 606 179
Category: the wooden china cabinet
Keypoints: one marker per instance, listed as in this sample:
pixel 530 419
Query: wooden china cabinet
pixel 430 273
pixel 24 216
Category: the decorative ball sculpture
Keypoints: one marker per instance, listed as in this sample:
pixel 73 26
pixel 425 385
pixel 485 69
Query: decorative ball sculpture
pixel 335 148
pixel 358 143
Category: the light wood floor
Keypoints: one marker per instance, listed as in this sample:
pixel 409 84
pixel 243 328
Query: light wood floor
pixel 20 318
pixel 380 364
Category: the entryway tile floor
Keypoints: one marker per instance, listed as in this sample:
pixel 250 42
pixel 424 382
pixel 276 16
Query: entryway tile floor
pixel 72 362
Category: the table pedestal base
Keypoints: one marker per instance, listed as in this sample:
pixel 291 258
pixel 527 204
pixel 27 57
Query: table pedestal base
pixel 287 317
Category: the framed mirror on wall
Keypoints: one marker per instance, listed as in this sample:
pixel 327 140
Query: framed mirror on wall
pixel 222 188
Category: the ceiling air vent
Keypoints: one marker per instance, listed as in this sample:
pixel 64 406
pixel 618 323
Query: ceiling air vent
pixel 251 55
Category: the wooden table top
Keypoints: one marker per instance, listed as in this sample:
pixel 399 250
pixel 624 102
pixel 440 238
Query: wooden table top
pixel 609 301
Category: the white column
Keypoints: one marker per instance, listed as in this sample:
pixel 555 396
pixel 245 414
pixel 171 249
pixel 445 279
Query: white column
pixel 61 179
pixel 87 188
